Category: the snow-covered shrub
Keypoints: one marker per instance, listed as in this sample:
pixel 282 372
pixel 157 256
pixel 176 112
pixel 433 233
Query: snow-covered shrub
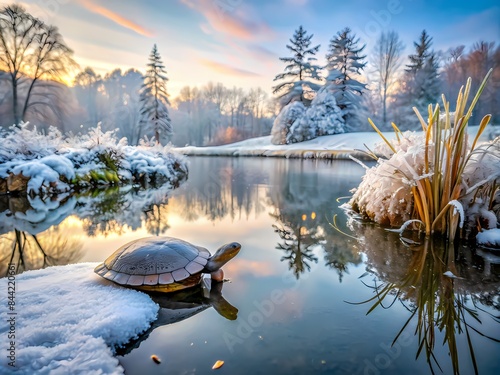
pixel 41 164
pixel 325 114
pixel 385 193
pixel 155 162
pixel 284 121
pixel 295 123
pixel 97 156
pixel 438 178
pixel 28 143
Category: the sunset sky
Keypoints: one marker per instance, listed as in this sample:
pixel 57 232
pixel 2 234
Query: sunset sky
pixel 238 42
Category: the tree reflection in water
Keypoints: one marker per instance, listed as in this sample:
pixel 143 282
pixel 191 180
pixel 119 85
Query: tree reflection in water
pixel 442 305
pixel 303 200
pixel 300 196
pixel 297 243
pixel 219 190
pixel 30 251
pixel 32 238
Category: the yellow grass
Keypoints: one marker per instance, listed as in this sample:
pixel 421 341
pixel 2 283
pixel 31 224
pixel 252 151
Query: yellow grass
pixel 446 155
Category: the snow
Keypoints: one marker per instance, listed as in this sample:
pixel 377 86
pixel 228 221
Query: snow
pixel 489 238
pixel 341 144
pixel 70 320
pixel 296 123
pixel 451 275
pixel 337 146
pixel 283 123
pixel 97 153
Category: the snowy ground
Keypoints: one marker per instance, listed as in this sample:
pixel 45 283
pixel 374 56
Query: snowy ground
pixel 338 146
pixel 55 163
pixel 68 320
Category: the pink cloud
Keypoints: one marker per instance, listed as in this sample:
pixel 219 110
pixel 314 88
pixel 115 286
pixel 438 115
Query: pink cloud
pixel 226 69
pixel 230 19
pixel 116 18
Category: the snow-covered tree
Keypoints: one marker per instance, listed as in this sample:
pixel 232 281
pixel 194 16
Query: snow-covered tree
pixel 154 99
pixel 299 80
pixel 325 114
pixel 421 85
pixel 345 64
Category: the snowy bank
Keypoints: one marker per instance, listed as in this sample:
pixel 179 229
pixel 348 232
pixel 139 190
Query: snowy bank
pixel 338 146
pixel 489 238
pixel 96 158
pixel 69 320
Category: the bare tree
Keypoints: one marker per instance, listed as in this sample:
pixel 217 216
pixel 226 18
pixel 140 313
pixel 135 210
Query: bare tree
pixel 87 84
pixel 32 53
pixel 387 59
pixel 453 72
pixel 217 95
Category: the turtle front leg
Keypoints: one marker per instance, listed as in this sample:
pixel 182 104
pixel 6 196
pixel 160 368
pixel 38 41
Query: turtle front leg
pixel 217 275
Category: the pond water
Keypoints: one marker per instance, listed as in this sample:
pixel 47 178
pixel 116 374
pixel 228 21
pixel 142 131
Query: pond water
pixel 311 291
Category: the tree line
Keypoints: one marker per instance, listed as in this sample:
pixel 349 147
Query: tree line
pixel 34 60
pixel 385 86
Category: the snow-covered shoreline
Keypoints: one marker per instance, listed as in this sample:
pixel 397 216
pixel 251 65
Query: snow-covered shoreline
pixel 69 320
pixel 34 163
pixel 338 146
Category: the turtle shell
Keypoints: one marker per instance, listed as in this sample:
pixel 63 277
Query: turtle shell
pixel 155 264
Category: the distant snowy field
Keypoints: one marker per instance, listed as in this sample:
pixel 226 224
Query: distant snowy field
pixel 68 320
pixel 336 146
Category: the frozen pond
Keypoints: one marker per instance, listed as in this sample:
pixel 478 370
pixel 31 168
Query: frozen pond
pixel 298 283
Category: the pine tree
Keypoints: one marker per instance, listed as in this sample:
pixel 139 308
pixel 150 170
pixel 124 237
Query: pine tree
pixel 417 60
pixel 421 85
pixel 345 64
pixel 154 99
pixel 300 73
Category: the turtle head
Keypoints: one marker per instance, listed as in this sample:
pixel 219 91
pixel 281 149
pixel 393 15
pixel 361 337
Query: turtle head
pixel 221 257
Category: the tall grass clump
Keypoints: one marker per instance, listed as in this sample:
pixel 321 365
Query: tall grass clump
pixel 427 182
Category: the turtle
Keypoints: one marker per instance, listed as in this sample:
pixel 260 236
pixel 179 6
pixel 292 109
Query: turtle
pixel 164 264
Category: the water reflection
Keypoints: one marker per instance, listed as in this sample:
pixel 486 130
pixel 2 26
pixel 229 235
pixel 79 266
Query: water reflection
pixel 32 236
pixel 280 210
pixel 444 287
pixel 304 202
pixel 178 306
pixel 29 251
pixel 219 190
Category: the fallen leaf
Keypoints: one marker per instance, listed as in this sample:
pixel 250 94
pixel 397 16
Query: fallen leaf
pixel 155 359
pixel 217 365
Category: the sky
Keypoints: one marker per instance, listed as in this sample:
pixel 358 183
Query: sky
pixel 239 42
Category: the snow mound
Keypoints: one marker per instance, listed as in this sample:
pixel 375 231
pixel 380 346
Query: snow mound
pixel 69 320
pixel 489 238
